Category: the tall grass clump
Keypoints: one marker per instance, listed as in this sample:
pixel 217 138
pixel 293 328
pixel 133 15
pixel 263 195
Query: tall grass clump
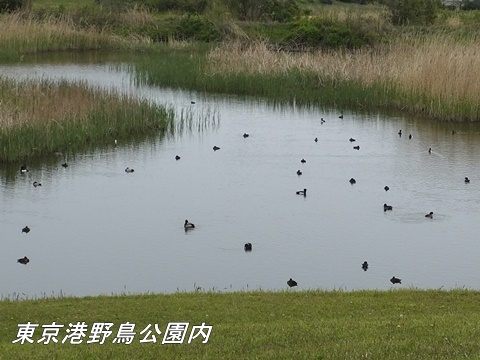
pixel 41 118
pixel 434 76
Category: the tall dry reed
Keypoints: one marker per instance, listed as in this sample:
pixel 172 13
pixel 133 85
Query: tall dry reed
pixel 437 75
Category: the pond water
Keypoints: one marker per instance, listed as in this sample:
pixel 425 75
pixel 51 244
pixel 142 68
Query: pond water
pixel 98 230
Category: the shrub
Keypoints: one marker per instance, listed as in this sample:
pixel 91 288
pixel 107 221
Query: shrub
pixel 13 5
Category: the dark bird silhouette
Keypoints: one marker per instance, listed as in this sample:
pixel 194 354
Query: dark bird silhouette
pixel 304 192
pixel 23 169
pixel 410 137
pixel 177 157
pixel 352 181
pixel 299 172
pixel 356 147
pixel 215 148
pixel 467 180
pixel 248 247
pixel 386 188
pixel 36 183
pixel 400 133
pixel 65 165
pixel 429 150
pixel 192 102
pixel 351 140
pixel 322 121
pixel 26 230
pixel 453 132
pixel 25 260
pixel 395 280
pixel 245 135
pixel 188 225
pixel 316 140
pixel 128 170
pixel 387 207
pixel 341 116
pixel 365 266
pixel 291 283
pixel 303 161
pixel 429 215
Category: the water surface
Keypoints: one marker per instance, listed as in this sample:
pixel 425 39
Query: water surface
pixel 98 230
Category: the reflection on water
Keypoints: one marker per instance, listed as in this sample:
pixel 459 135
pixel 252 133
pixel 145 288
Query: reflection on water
pixel 98 230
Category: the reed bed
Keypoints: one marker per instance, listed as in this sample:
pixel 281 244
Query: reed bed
pixel 435 76
pixel 23 33
pixel 41 118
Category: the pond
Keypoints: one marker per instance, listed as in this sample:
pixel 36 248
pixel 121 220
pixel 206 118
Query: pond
pixel 96 229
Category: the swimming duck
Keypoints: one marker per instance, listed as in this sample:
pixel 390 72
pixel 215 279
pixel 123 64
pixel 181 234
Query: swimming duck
pixel 387 207
pixel 303 161
pixel 36 183
pixel 467 180
pixel 128 170
pixel 215 148
pixel 177 157
pixel 352 181
pixel 356 147
pixel 341 116
pixel 245 135
pixel 322 121
pixel 26 230
pixel 291 283
pixel 188 225
pixel 304 192
pixel 395 280
pixel 400 133
pixel 410 137
pixel 351 140
pixel 65 165
pixel 316 140
pixel 299 172
pixel 25 260
pixel 248 247
pixel 429 150
pixel 192 102
pixel 429 215
pixel 365 266
pixel 386 188
pixel 23 169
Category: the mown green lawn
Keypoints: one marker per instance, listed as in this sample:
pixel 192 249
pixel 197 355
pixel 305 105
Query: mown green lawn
pixel 403 324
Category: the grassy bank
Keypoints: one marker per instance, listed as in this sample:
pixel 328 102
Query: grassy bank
pixel 404 324
pixel 42 118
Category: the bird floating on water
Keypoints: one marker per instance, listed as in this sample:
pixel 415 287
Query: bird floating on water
pixel 356 147
pixel 299 172
pixel 351 140
pixel 429 215
pixel 188 225
pixel 26 230
pixel 177 157
pixel 467 180
pixel 322 121
pixel 400 133
pixel 395 280
pixel 65 165
pixel 245 135
pixel 410 137
pixel 303 161
pixel 291 283
pixel 128 170
pixel 386 188
pixel 248 247
pixel 215 148
pixel 341 116
pixel 302 192
pixel 353 181
pixel 23 169
pixel 25 260
pixel 429 150
pixel 365 266
pixel 36 183
pixel 316 140
pixel 387 207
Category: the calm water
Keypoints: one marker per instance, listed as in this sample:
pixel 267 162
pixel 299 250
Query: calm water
pixel 97 230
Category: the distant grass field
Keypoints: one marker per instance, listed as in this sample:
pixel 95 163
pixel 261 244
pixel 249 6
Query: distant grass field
pixel 403 324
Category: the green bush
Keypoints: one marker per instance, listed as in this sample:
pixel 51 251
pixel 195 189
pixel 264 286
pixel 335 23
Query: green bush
pixel 266 10
pixel 414 12
pixel 320 33
pixel 189 6
pixel 13 5
pixel 196 27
